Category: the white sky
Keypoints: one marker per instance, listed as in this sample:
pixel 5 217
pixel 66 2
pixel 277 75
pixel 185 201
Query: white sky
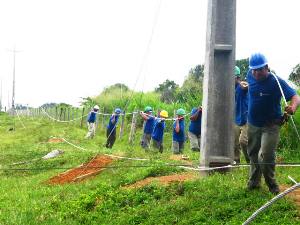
pixel 75 48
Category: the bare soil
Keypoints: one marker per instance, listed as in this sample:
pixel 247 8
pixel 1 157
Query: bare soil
pixel 55 140
pixel 295 195
pixel 182 159
pixel 164 180
pixel 82 172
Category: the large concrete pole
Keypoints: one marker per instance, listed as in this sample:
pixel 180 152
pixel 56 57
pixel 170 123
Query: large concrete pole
pixel 217 138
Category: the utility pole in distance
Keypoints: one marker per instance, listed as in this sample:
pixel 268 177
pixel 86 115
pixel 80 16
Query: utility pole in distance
pixel 14 80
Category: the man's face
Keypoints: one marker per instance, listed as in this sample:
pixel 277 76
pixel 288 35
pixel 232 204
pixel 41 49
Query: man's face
pixel 260 73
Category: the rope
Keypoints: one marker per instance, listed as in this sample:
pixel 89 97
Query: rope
pixel 146 53
pixel 61 121
pixel 254 215
pixel 295 182
pixel 121 114
pixel 170 119
pixel 286 104
pixel 113 156
pixel 105 114
pixel 291 164
pixel 183 166
pixel 20 119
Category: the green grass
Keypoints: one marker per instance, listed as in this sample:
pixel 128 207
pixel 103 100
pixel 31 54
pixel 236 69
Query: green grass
pixel 26 198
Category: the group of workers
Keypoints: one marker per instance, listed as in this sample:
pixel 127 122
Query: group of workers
pixel 154 127
pixel 258 118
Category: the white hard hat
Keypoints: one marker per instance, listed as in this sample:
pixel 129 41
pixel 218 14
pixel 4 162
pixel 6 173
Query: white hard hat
pixel 96 107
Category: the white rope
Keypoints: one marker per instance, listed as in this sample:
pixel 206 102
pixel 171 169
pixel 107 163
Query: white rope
pixel 106 114
pixel 121 114
pixel 286 104
pixel 295 182
pixel 78 147
pixel 61 121
pixel 20 119
pixel 254 215
pixel 184 167
pixel 170 119
pixel 113 156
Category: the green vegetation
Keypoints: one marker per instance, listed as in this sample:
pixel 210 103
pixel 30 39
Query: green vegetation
pixel 26 198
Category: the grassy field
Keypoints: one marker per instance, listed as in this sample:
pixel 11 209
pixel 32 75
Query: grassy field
pixel 26 198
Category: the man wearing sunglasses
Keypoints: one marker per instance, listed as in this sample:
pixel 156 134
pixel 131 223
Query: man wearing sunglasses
pixel 264 120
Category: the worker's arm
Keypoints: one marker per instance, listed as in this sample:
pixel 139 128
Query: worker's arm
pixel 177 127
pixel 196 114
pixel 113 119
pixel 144 115
pixel 294 103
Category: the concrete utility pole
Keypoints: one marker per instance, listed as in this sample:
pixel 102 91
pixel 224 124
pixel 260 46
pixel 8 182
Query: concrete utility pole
pixel 14 81
pixel 217 136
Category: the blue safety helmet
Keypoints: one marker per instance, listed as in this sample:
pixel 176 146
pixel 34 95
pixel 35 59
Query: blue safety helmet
pixel 118 110
pixel 257 60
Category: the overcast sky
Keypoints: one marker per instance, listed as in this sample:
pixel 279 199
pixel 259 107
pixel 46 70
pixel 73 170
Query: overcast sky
pixel 74 48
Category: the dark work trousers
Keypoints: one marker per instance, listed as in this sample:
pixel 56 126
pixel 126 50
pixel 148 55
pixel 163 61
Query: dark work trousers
pixel 111 137
pixel 262 144
pixel 158 145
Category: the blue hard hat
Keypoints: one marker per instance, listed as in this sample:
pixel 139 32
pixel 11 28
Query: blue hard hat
pixel 118 110
pixel 257 60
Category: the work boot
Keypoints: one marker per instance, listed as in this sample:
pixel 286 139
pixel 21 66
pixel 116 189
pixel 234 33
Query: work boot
pixel 274 189
pixel 253 185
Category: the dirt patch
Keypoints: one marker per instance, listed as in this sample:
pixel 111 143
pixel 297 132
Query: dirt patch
pixel 82 172
pixel 295 195
pixel 164 180
pixel 55 140
pixel 181 158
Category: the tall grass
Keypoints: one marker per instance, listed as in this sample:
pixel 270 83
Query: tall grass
pixel 26 198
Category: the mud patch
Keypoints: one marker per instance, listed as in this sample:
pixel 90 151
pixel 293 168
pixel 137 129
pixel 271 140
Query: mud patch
pixel 164 180
pixel 55 140
pixel 295 195
pixel 82 172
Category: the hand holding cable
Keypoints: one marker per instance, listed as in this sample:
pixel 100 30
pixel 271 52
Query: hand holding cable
pixel 290 109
